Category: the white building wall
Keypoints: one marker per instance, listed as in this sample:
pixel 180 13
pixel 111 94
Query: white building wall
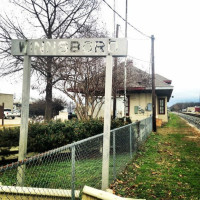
pixel 140 100
pixel 7 99
pixel 120 108
pixel 190 109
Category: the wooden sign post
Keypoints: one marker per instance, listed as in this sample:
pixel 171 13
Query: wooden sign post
pixel 2 113
pixel 87 47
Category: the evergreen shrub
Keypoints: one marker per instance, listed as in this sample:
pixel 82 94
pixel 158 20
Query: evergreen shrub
pixel 46 136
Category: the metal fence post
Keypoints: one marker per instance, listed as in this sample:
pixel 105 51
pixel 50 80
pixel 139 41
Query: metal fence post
pixel 138 134
pixel 114 156
pixel 146 130
pixel 150 129
pixel 134 138
pixel 130 132
pixel 73 157
pixel 138 129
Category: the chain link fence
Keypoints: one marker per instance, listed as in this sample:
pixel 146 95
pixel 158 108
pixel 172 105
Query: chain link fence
pixel 61 173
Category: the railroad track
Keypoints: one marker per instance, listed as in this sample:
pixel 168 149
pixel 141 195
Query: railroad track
pixel 191 118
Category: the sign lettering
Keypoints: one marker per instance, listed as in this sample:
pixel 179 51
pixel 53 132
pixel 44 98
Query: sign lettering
pixel 99 45
pixel 70 47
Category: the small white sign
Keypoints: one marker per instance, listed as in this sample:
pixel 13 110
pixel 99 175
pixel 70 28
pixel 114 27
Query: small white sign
pixel 70 47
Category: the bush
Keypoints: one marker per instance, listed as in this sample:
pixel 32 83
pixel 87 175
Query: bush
pixel 9 137
pixel 37 108
pixel 46 136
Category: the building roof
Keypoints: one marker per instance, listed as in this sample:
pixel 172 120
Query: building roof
pixel 140 81
pixel 137 81
pixel 162 79
pixel 138 78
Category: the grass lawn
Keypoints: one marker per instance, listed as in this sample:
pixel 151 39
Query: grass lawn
pixel 167 167
pixel 57 174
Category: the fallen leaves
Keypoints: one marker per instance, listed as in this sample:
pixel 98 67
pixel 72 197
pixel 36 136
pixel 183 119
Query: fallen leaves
pixel 167 143
pixel 133 186
pixel 119 181
pixel 154 173
pixel 135 165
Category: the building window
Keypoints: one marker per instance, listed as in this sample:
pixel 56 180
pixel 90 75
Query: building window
pixel 161 106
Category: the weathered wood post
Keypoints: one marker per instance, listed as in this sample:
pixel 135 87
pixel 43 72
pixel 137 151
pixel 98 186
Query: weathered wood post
pixel 24 119
pixel 2 113
pixel 107 119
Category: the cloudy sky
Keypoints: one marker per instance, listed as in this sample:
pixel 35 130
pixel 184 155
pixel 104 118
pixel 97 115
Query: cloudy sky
pixel 175 25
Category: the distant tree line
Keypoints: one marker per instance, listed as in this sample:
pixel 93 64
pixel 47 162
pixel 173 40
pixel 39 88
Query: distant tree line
pixel 179 106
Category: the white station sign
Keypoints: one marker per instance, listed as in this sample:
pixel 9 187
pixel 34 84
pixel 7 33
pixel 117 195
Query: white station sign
pixel 70 47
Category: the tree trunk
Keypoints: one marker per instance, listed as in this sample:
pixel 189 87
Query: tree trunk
pixel 48 107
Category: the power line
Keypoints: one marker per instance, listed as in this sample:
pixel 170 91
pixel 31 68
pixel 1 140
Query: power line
pixel 139 59
pixel 130 38
pixel 125 20
pixel 146 69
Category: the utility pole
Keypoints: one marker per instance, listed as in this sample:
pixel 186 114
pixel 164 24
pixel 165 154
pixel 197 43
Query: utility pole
pixel 114 20
pixel 115 81
pixel 125 63
pixel 126 18
pixel 153 86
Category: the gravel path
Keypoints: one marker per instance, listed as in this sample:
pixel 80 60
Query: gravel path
pixel 191 119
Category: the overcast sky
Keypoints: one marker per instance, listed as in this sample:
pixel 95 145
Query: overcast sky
pixel 175 25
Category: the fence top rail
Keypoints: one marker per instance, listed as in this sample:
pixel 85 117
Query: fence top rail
pixel 131 124
pixel 116 129
pixel 57 150
pixel 37 191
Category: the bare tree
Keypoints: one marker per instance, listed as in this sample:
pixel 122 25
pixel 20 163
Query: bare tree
pixel 85 85
pixel 51 19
